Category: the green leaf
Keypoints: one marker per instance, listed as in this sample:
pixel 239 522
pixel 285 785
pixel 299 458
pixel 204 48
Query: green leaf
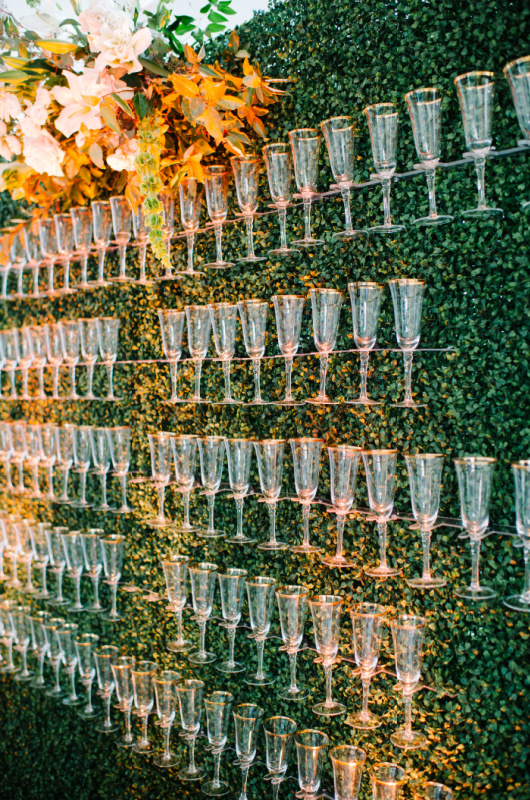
pixel 205 8
pixel 214 27
pixel 141 104
pixel 152 66
pixel 225 7
pixel 213 16
pixel 122 104
pixel 109 118
pixel 16 76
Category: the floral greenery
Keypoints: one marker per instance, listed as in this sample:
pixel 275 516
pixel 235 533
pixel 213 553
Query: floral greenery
pixel 343 55
pixel 73 110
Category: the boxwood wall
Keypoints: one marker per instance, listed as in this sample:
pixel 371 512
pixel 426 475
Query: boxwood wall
pixel 341 55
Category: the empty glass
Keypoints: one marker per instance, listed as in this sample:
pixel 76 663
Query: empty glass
pixel 425 480
pixel 172 328
pixel 367 621
pixel 164 684
pixel 288 310
pixel 71 351
pixel 224 317
pixel 40 644
pixel 160 447
pixel 12 357
pixel 82 219
pixel 65 457
pixel 521 476
pixel 101 449
pixel 34 455
pixel 407 299
pixel 260 594
pixel 348 763
pixel 191 196
pixel 432 791
pixel 476 95
pixel 108 329
pixel 279 737
pixel 189 693
pixel 41 556
pixel 203 577
pixel 380 467
pixel 55 353
pixel 88 333
pixel 343 465
pixel 37 334
pixel 305 144
pixel 167 201
pixel 85 645
pixel 218 706
pixel 239 457
pixel 122 224
pixel 48 248
pixel 143 673
pixel 253 315
pixel 55 654
pixel 387 781
pixel 199 326
pixel 408 632
pixel 112 552
pixel 310 752
pixel 279 162
pixel 518 74
pixel 20 616
pixel 216 180
pixel 326 305
pixel 73 551
pixel 66 634
pixel 212 454
pixel 120 453
pixel 57 562
pixel 306 461
pixel 122 668
pixel 246 175
pixel 82 460
pixel 185 460
pixel 340 141
pixel 269 455
pixel 93 561
pixel 32 248
pixel 64 230
pixel 475 476
pixel 326 611
pixel 292 609
pixel 382 121
pixel 26 359
pixel 102 227
pixel 247 723
pixel 232 588
pixel 176 574
pixel 365 297
pixel 6 451
pixel 104 657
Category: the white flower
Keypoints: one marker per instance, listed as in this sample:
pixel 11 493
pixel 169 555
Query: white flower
pixel 82 98
pixel 9 106
pixel 100 15
pixel 120 47
pixel 9 144
pixel 43 154
pixel 124 157
pixel 36 114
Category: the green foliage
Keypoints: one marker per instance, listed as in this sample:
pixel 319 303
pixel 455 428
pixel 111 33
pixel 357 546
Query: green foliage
pixel 341 55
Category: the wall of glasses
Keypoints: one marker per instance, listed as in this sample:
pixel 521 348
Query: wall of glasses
pixel 282 529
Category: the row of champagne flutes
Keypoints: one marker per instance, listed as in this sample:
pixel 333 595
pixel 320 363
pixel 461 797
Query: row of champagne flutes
pixel 51 446
pixel 141 684
pixel 39 544
pixel 221 319
pixel 59 344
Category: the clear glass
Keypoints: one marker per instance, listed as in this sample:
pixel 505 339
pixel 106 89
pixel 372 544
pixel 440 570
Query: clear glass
pixel 521 476
pixel 269 455
pixel 101 450
pixel 112 552
pixel 212 454
pixel 246 175
pixel 339 133
pixel 223 317
pixel 518 74
pixel 82 461
pixel 167 200
pixel 218 707
pixel 160 447
pixel 253 314
pixel 143 673
pixel 348 763
pixel 191 196
pixel 89 343
pixel 199 328
pixel 432 791
pixel 279 162
pixel 288 310
pixel 67 634
pixel 279 739
pixel 232 588
pixel 239 458
pixel 55 353
pixel 292 608
pixel 64 229
pixel 368 621
pixel 48 249
pixel 120 453
pixel 343 465
pixel 203 579
pixel 408 632
pixel 190 693
pixel 108 329
pixel 425 481
pixel 325 305
pixel 310 753
pixel 164 684
pixel 172 329
pixel 32 247
pixel 260 595
pixel 365 298
pixel 185 461
pixel 37 334
pixel 387 781
pixel 326 612
pixel 176 575
pixel 122 668
pixel 102 230
pixel 85 645
pixel 82 220
pixel 306 462
pixel 380 467
pixel 57 562
pixel 104 658
pixel 216 180
pixel 122 225
pixel 12 357
pixel 247 723
pixel 305 144
pixel 382 121
pixel 407 299
pixel 141 234
pixel 93 561
pixel 73 551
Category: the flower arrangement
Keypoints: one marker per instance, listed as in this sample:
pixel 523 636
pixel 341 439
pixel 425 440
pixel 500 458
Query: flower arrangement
pixel 121 105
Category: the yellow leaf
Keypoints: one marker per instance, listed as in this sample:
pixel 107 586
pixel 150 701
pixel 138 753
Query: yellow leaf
pixel 55 46
pixel 133 196
pixel 212 92
pixel 212 121
pixel 96 154
pixel 230 102
pixel 247 69
pixel 15 63
pixel 190 54
pixel 109 118
pixel 252 81
pixel 185 87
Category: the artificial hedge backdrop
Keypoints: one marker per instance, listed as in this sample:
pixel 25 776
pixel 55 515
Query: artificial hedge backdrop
pixel 341 55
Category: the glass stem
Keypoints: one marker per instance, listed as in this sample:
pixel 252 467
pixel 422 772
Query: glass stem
pixel 50 276
pixel 40 378
pixel 66 473
pixel 211 507
pixel 407 702
pixel 341 521
pixel 173 365
pixel 346 198
pixel 364 357
pixel 430 174
pixel 89 707
pixel 40 678
pixel 180 635
pixel 11 371
pixel 9 482
pixel 77 581
pixel 218 230
pixel 44 586
pixel 480 167
pixel 82 490
pixel 103 484
pixel 128 733
pixel 29 583
pixel 256 367
pixel 282 217
pixel 123 256
pixel 186 508
pixel 24 654
pixel 25 376
pixel 144 740
pixel 226 375
pixel 161 491
pixel 275 790
pixel 526 554
pixel 89 379
pixel 57 668
pixel 239 511
pixel 260 644
pixel 293 688
pixel 114 600
pixel 49 470
pixel 123 484
pixel 109 366
pixel 20 486
pixel 95 591
pixel 198 369
pixel 426 548
pixel 217 768
pixel 231 633
pixel 35 477
pixel 142 252
pixel 305 524
pixel 407 363
pixel 55 377
pixel 307 218
pixel 385 183
pixel 272 522
pixel 381 532
pixel 66 270
pixel 84 269
pixel 329 684
pixel 475 563
pixel 365 680
pixel 249 222
pixel 101 264
pixel 244 778
pixel 190 239
pixel 324 359
pixel 202 637
pixel 167 734
pixel 36 280
pixel 288 374
pixel 73 694
pixel 59 586
pixel 108 697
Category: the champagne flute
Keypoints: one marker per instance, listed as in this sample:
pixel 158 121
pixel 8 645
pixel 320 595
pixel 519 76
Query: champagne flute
pixel 88 340
pixel 42 556
pixel 211 453
pixel 22 629
pixel 305 144
pixel 425 480
pixel 27 357
pixel 279 738
pixel 306 461
pixel 218 706
pixel 112 553
pixel 521 475
pixel 172 328
pixel 48 248
pixel 326 305
pixel 380 467
pixel 365 297
pixel 7 632
pixel 101 449
pixel 184 460
pixel 55 353
pixel 247 723
pixel 32 247
pixel 121 213
pixel 82 230
pixel 189 693
pixel 269 455
pixel 64 231
pixel 41 645
pixel 382 121
pixel 6 451
pixel 164 684
pixel 58 562
pixel 55 654
pixel 93 560
pixel 432 791
pixel 85 645
pixel 475 94
pixel 167 207
pixel 288 310
pixel 108 329
pixel 518 74
pixel 71 351
pixel 407 299
pixel 216 180
pixel 191 199
pixel 326 611
pixel 246 175
pixel 73 552
pixel 367 621
pixel 348 763
pixel 143 673
pixel 33 432
pixel 203 577
pixel 224 317
pixel 260 594
pixel 408 633
pixel 175 569
pixel 82 454
pixel 199 326
pixel 122 667
pixel 232 588
pixel 425 110
pixel 239 458
pixel 310 751
pixel 67 634
pixel 104 657
pixel 253 314
pixel 279 162
pixel 475 476
pixel 65 457
pixel 340 141
pixel 12 348
pixel 343 465
pixel 37 334
pixel 160 447
pixel 120 453
pixel 292 608
pixel 102 229
pixel 387 781
pixel 20 452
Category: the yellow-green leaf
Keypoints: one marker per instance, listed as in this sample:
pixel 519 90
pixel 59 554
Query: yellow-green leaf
pixel 56 46
pixel 109 118
pixel 122 104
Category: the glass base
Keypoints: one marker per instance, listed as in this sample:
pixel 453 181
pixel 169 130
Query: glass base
pixel 144 750
pixel 290 403
pixel 386 229
pixel 480 593
pixel 363 401
pixel 286 694
pixel 56 602
pixel 305 548
pixel 156 522
pixel 230 669
pixel 42 686
pixel 411 742
pixel 143 282
pixel 123 742
pixel 363 722
pixel 73 701
pixel 408 404
pixel 202 658
pixel 350 233
pixel 185 528
pixel 109 617
pixel 78 503
pixel 240 540
pixel 84 714
pixel 273 546
pixel 54 693
pixel 122 510
pixel 24 678
pixel 101 727
pixel 438 219
pixel 190 273
pixel 266 680
pixel 100 282
pixel 75 609
pixel 218 265
pixel 250 259
pixel 338 561
pixel 323 400
pixel 96 609
pixel 172 761
pixel 178 647
pixel 225 402
pixel 331 710
pixel 307 242
pixel 215 789
pixel 188 775
pixel 426 583
pixel 381 572
pixel 121 279
pixel 7 670
pixel 482 212
pixel 284 251
pixel 517 602
pixel 211 534
pixel 43 596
